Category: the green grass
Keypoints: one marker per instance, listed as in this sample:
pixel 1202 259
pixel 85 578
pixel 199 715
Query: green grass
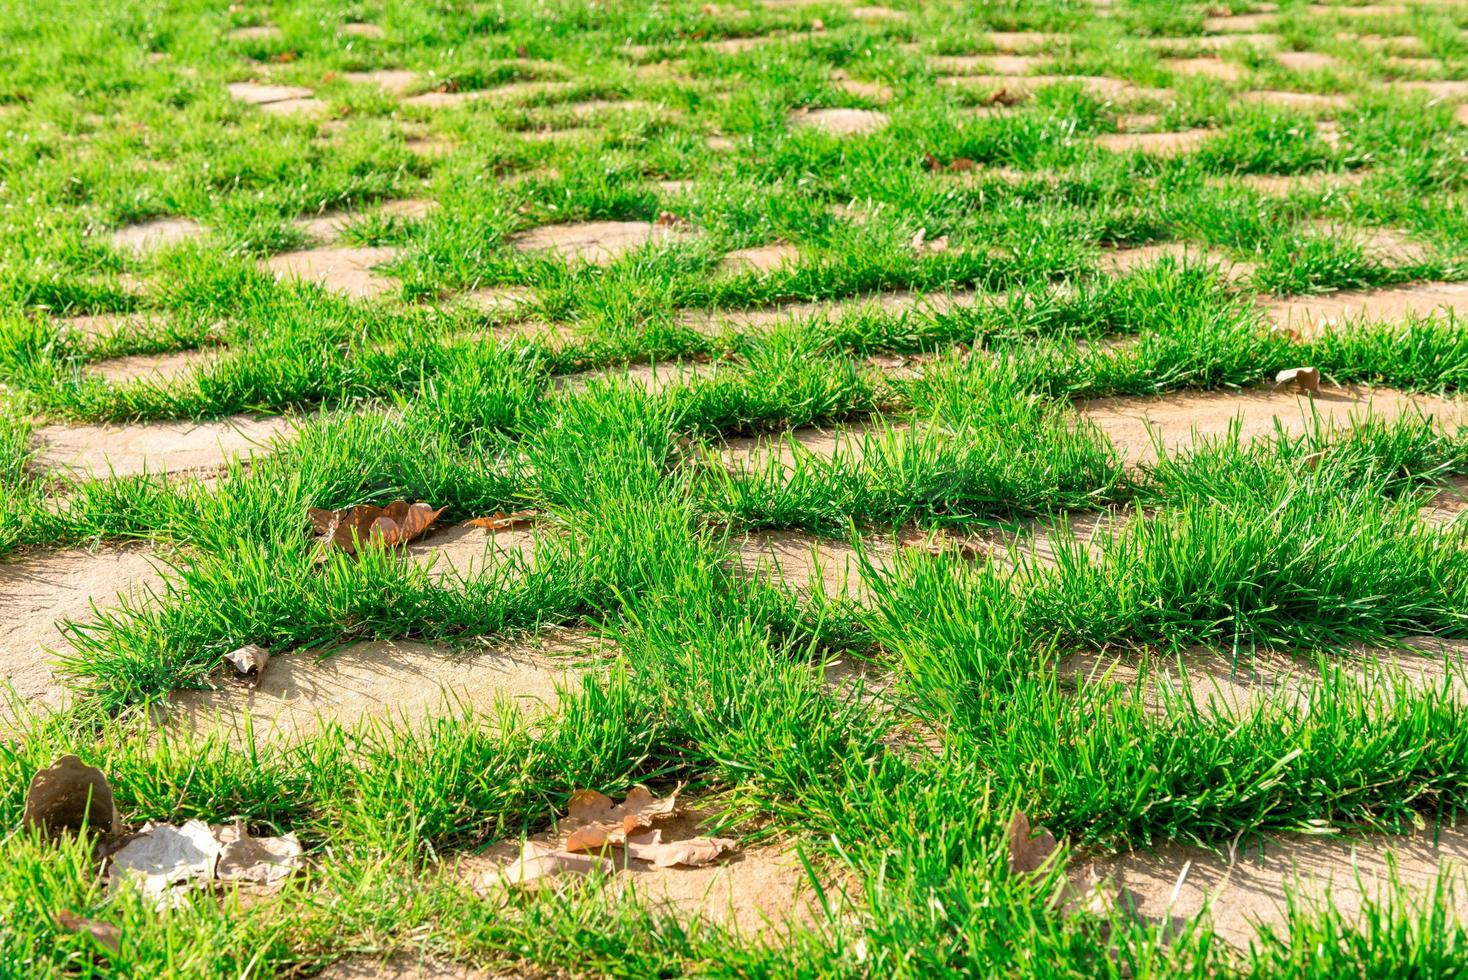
pixel 893 789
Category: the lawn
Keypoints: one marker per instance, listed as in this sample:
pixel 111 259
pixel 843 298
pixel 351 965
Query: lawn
pixel 934 489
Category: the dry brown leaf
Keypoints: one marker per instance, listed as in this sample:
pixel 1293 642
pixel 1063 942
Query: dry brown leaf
pixel 942 544
pixel 595 821
pixel 1307 378
pixel 164 860
pixel 264 861
pixel 696 852
pixel 956 165
pixel 500 521
pixel 68 796
pixel 1028 850
pixel 162 856
pixel 323 521
pixel 397 523
pixel 1285 333
pixel 248 662
pixel 1100 895
pixel 106 935
pixel 537 864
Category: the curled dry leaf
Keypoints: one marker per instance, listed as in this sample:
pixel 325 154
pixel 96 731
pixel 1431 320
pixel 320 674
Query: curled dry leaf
pixel 248 662
pixel 956 165
pixel 1028 850
pixel 1099 896
pixel 595 821
pixel 695 852
pixel 500 521
pixel 1285 333
pixel 1307 378
pixel 165 861
pixel 398 523
pixel 106 935
pixel 162 856
pixel 536 865
pixel 68 796
pixel 265 861
pixel 938 543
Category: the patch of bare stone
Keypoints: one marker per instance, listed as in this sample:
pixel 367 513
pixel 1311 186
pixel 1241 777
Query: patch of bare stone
pixel 717 321
pixel 1242 888
pixel 594 242
pixel 1382 245
pixel 372 32
pixel 1135 425
pixel 149 236
pixel 1315 183
pixel 280 100
pixel 1312 315
pixel 87 451
pixel 650 378
pixel 808 564
pixel 1232 685
pixel 328 226
pixel 1306 61
pixel 1162 145
pixel 1123 260
pixel 1215 68
pixel 40 592
pixel 1212 42
pixel 1018 87
pixel 157 368
pixel 394 81
pixel 760 259
pixel 514 92
pixel 1309 101
pixel 397 683
pixel 351 271
pixel 840 122
pixel 259 32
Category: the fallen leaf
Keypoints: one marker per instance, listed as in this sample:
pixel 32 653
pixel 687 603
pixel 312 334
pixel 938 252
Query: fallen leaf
pixel 284 57
pixel 1028 850
pixel 165 861
pixel 1100 895
pixel 162 856
pixel 104 934
pixel 919 239
pixel 500 521
pixel 939 543
pixel 264 861
pixel 248 662
pixel 696 852
pixel 817 25
pixel 537 864
pixel 1287 333
pixel 68 796
pixel 1307 378
pixel 957 165
pixel 1000 97
pixel 668 219
pixel 596 821
pixel 398 523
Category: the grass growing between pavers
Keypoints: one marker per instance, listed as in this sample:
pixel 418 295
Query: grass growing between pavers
pixel 924 282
